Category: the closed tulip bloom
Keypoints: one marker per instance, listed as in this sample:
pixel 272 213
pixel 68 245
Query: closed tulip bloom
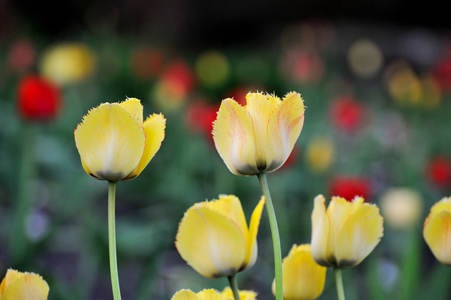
pixel 114 143
pixel 209 294
pixel 259 136
pixel 23 286
pixel 303 278
pixel 214 239
pixel 437 230
pixel 345 233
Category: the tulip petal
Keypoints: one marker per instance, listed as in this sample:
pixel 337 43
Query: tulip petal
pixel 303 277
pixel 227 294
pixel 320 232
pixel 10 276
pixel 252 248
pixel 260 109
pixel 359 235
pixel 134 108
pixel 437 233
pixel 444 204
pixel 212 244
pixel 154 130
pixel 229 206
pixel 185 295
pixel 284 128
pixel 24 286
pixel 209 294
pixel 234 138
pixel 110 142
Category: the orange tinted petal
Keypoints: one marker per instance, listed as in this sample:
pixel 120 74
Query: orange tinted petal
pixel 284 128
pixel 437 234
pixel 234 138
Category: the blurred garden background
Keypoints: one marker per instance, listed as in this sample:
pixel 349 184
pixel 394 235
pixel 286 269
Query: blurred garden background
pixel 376 80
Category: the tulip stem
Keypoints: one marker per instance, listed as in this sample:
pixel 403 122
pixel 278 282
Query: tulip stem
pixel 275 235
pixel 234 286
pixel 339 283
pixel 112 240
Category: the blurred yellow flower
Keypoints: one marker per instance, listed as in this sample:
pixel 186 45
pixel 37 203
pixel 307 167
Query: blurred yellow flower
pixel 320 153
pixel 214 239
pixel 401 207
pixel 67 63
pixel 209 294
pixel 346 233
pixel 227 294
pixel 114 143
pixel 303 278
pixel 259 136
pixel 437 230
pixel 23 286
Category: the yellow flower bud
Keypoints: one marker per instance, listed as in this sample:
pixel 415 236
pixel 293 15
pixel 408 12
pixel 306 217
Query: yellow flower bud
pixel 114 143
pixel 303 278
pixel 346 233
pixel 260 136
pixel 23 286
pixel 214 239
pixel 437 230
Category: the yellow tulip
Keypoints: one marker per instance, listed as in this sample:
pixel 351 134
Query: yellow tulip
pixel 320 154
pixel 23 286
pixel 214 239
pixel 114 143
pixel 67 63
pixel 346 233
pixel 209 294
pixel 437 230
pixel 259 136
pixel 303 278
pixel 227 294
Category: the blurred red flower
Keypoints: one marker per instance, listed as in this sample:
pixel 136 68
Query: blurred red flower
pixel 439 171
pixel 38 98
pixel 21 55
pixel 347 113
pixel 292 159
pixel 348 187
pixel 200 117
pixel 442 72
pixel 179 76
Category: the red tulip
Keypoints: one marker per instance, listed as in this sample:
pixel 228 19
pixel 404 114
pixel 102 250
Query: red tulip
pixel 38 98
pixel 442 72
pixel 439 171
pixel 349 187
pixel 347 113
pixel 200 117
pixel 179 77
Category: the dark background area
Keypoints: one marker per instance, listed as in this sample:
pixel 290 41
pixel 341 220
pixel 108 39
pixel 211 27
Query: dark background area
pixel 198 22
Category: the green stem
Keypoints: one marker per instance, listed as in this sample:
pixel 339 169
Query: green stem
pixel 234 286
pixel 275 235
pixel 339 283
pixel 112 240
